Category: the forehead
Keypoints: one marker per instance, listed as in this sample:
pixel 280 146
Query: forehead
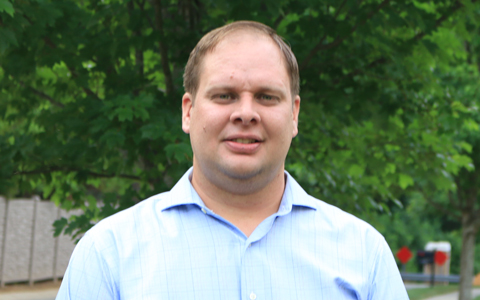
pixel 245 52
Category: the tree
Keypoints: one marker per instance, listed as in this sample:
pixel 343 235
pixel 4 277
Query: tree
pixel 91 91
pixel 461 121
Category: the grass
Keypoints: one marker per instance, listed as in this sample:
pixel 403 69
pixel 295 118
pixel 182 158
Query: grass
pixel 423 293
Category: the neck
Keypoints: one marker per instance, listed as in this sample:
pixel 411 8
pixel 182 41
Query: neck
pixel 246 211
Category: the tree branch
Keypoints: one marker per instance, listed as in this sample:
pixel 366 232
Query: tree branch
pixel 452 201
pixel 138 52
pixel 43 95
pixel 90 93
pixel 441 208
pixel 60 169
pixel 142 8
pixel 476 217
pixel 51 194
pixel 52 45
pixel 85 89
pixel 440 20
pixel 357 71
pixel 459 192
pixel 417 37
pixel 163 46
pixel 471 193
pixel 277 22
pixel 49 42
pixel 339 40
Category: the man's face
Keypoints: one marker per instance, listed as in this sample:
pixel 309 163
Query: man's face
pixel 243 118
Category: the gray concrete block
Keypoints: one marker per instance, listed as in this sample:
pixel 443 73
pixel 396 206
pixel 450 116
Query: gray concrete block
pixel 18 240
pixel 44 242
pixel 3 204
pixel 28 250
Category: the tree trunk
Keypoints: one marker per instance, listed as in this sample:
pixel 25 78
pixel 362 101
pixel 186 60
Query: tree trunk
pixel 162 45
pixel 467 258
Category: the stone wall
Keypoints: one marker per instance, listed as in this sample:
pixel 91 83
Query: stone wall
pixel 28 250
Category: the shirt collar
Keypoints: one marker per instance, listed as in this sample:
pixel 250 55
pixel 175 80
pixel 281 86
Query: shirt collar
pixel 183 193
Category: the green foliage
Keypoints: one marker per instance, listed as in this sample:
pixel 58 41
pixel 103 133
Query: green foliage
pixel 415 226
pixel 7 7
pixel 90 97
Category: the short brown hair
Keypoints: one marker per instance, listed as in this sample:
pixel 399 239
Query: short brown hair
pixel 191 77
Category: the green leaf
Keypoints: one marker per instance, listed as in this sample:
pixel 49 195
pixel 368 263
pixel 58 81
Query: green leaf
pixel 356 170
pixel 7 38
pixel 470 125
pixel 59 225
pixel 6 6
pixel 458 106
pixel 124 114
pixel 463 161
pixel 405 180
pixel 397 121
pixel 153 131
pixel 390 168
pixel 181 152
pixel 466 146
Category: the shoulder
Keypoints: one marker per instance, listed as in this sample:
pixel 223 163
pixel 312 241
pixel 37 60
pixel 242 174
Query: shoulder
pixel 138 224
pixel 101 255
pixel 127 223
pixel 343 221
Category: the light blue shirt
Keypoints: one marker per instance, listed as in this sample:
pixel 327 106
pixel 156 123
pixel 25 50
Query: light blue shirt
pixel 171 246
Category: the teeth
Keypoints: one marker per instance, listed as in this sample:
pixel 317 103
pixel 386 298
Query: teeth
pixel 244 141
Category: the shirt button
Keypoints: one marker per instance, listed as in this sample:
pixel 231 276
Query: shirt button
pixel 204 211
pixel 249 245
pixel 253 296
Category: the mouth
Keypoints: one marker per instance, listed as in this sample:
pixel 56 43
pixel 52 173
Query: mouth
pixel 245 141
pixel 243 144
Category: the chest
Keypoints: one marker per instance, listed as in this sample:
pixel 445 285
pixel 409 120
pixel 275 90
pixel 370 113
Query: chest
pixel 205 262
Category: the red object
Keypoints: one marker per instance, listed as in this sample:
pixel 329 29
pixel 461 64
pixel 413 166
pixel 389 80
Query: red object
pixel 440 257
pixel 404 254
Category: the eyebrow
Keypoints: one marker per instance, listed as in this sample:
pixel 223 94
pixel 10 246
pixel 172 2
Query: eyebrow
pixel 214 88
pixel 230 88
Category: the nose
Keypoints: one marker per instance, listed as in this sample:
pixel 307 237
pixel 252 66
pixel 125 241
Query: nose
pixel 245 111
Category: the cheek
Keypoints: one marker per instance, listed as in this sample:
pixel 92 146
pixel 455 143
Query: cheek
pixel 212 118
pixel 208 123
pixel 280 122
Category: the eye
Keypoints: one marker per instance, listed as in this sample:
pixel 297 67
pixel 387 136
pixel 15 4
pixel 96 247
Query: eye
pixel 224 96
pixel 266 97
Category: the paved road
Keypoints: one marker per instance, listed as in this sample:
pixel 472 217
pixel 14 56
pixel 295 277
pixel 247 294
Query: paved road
pixel 47 294
pixel 414 285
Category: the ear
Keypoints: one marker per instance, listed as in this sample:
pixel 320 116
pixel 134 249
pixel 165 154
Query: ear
pixel 187 104
pixel 296 110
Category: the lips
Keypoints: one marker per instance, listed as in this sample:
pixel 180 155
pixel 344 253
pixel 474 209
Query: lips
pixel 243 144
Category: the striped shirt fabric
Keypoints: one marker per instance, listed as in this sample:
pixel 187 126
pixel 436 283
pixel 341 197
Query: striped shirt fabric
pixel 171 246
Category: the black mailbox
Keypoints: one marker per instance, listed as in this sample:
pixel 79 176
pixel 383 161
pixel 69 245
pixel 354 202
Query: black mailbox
pixel 425 257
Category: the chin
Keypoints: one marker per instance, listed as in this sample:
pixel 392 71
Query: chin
pixel 241 173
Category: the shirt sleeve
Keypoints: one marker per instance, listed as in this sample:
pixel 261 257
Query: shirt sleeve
pixel 386 282
pixel 87 276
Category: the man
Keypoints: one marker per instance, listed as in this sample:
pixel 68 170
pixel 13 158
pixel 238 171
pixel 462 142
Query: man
pixel 236 226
